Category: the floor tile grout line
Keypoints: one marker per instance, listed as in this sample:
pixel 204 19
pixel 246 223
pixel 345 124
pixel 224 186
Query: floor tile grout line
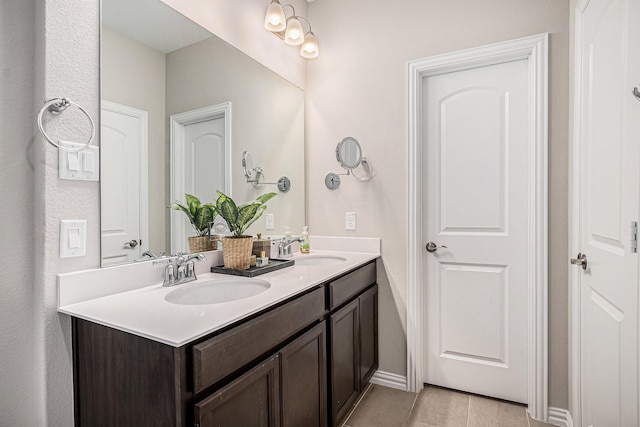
pixel 413 405
pixel 355 405
pixel 468 410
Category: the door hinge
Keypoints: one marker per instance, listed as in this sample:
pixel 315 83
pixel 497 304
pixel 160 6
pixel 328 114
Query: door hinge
pixel 634 237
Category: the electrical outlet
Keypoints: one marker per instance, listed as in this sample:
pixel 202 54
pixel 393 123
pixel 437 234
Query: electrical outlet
pixel 270 223
pixel 350 221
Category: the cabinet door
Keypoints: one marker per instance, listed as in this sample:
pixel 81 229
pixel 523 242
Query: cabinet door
pixel 345 360
pixel 251 400
pixel 368 335
pixel 303 373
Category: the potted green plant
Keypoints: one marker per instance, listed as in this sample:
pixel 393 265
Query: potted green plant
pixel 199 216
pixel 236 249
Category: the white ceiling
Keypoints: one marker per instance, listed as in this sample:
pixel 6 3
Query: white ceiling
pixel 147 21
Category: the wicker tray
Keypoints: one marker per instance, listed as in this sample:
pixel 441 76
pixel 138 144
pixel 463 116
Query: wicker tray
pixel 274 264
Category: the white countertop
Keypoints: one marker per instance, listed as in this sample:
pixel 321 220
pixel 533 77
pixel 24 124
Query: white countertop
pixel 143 310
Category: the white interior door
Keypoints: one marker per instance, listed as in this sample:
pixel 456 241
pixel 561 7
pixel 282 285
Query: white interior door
pixel 202 172
pixel 477 147
pixel 608 200
pixel 124 198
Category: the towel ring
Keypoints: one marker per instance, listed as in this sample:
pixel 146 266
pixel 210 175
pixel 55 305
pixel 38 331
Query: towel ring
pixel 57 106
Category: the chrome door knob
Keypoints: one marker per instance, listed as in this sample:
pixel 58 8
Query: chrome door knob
pixel 432 247
pixel 581 260
pixel 132 243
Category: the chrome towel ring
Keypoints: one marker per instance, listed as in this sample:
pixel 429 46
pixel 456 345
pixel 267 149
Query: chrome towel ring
pixel 57 106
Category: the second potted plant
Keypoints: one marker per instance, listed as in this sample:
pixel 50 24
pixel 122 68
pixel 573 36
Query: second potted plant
pixel 236 249
pixel 199 216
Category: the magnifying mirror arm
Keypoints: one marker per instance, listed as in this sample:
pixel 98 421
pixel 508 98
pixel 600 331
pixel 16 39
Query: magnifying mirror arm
pixel 368 168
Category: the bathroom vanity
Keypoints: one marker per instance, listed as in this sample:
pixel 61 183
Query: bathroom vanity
pixel 301 359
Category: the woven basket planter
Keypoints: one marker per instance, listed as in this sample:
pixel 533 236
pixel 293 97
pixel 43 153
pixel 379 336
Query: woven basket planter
pixel 200 244
pixel 236 252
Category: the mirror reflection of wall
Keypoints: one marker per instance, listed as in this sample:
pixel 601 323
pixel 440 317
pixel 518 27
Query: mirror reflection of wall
pixel 156 64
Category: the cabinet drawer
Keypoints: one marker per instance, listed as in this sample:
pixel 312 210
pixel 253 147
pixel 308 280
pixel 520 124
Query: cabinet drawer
pixel 348 286
pixel 222 355
pixel 251 400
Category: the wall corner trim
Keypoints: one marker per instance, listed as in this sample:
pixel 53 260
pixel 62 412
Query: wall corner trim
pixel 560 417
pixel 391 380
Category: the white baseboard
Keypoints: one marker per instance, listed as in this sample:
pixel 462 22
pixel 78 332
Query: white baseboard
pixel 388 379
pixel 560 417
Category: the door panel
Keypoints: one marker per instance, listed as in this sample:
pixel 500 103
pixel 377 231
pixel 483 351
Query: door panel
pixel 609 199
pixel 205 152
pixel 477 148
pixel 200 173
pixel 474 321
pixel 122 133
pixel 473 198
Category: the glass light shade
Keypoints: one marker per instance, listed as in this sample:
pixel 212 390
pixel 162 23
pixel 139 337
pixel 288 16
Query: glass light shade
pixel 294 34
pixel 275 20
pixel 309 48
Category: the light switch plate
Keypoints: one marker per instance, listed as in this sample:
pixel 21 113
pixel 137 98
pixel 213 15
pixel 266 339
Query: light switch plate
pixel 73 238
pixel 80 165
pixel 270 223
pixel 350 221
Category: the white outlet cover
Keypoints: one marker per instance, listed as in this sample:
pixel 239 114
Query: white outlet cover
pixel 73 238
pixel 350 221
pixel 81 165
pixel 270 223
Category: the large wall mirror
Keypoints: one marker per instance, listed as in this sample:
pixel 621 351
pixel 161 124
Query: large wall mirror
pixel 179 108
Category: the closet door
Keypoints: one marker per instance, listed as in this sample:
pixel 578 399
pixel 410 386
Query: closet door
pixel 607 201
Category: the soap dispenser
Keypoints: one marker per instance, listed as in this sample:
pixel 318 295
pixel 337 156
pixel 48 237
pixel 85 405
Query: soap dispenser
pixel 305 245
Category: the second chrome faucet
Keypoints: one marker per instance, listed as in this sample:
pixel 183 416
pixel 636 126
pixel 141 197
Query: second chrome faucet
pixel 180 269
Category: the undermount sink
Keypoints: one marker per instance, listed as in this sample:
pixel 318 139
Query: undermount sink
pixel 318 260
pixel 217 291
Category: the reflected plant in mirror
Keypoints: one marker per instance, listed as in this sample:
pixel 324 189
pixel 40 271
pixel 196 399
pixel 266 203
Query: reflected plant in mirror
pixel 199 216
pixel 179 107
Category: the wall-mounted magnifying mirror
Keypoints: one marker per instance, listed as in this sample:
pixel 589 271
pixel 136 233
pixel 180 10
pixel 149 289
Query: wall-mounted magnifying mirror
pixel 247 164
pixel 255 175
pixel 349 153
pixel 349 156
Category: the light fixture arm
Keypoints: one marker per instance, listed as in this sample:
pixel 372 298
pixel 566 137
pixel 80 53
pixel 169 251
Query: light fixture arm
pixel 293 10
pixel 305 20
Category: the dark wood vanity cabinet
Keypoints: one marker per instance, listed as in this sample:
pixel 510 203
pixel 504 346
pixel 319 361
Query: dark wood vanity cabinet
pixel 353 300
pixel 354 351
pixel 301 363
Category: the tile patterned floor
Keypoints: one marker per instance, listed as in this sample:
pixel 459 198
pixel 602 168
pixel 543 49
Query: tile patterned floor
pixel 435 407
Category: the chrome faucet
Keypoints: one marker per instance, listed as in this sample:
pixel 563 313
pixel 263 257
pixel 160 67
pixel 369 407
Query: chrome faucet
pixel 284 247
pixel 180 269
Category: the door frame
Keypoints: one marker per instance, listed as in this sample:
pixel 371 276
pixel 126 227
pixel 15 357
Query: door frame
pixel 575 386
pixel 143 119
pixel 535 50
pixel 177 130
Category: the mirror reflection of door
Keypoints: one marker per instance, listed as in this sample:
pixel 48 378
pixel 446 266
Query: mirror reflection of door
pixel 200 147
pixel 123 148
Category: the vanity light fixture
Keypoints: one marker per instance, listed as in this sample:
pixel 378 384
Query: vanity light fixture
pixel 290 29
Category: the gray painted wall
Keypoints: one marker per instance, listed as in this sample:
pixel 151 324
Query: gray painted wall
pixel 267 119
pixel 17 338
pixel 358 87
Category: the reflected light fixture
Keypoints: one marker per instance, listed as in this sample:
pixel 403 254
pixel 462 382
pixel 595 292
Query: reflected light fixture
pixel 275 20
pixel 290 29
